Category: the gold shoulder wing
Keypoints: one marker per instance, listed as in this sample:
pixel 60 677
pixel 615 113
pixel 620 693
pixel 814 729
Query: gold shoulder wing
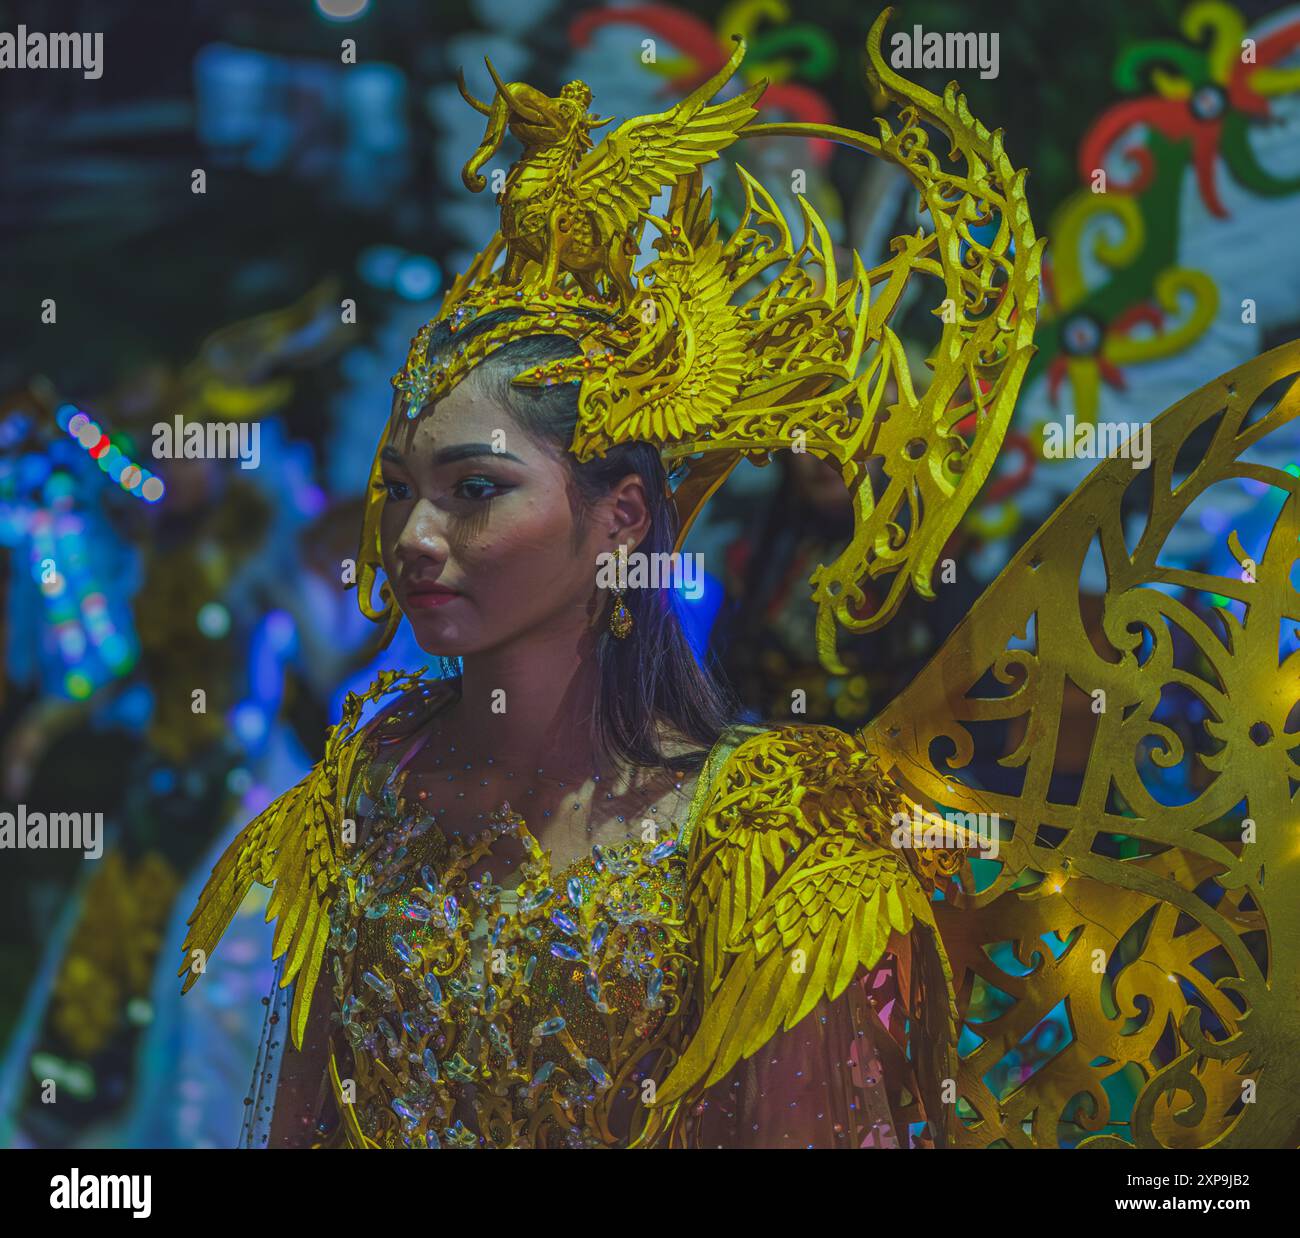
pixel 293 846
pixel 792 887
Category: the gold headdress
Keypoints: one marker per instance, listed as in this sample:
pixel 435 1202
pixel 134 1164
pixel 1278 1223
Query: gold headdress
pixel 723 349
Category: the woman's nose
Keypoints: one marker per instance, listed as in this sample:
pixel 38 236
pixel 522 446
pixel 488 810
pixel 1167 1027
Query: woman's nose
pixel 422 536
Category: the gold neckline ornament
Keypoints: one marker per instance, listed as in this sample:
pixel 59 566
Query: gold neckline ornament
pixel 721 349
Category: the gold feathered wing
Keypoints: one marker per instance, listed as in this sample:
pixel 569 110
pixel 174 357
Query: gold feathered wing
pixel 676 392
pixel 294 847
pixel 1162 927
pixel 792 890
pixel 619 179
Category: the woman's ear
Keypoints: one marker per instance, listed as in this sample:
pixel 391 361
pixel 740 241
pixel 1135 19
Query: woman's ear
pixel 628 511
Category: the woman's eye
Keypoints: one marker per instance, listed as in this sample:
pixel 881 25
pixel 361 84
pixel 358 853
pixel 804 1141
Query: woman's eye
pixel 478 489
pixel 397 490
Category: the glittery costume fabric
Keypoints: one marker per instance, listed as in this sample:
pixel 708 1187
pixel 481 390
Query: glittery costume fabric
pixel 548 1009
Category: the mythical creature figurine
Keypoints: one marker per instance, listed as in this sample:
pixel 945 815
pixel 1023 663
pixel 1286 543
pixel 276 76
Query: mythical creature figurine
pixel 568 207
pixel 788 963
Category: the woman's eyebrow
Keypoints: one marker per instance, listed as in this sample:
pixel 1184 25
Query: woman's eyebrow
pixel 449 455
pixel 467 451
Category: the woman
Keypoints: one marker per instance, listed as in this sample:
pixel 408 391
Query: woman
pixel 608 747
pixel 564 898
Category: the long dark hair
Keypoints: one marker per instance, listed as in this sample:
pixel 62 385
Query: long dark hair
pixel 650 678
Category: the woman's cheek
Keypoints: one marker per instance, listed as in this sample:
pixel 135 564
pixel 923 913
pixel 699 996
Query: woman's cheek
pixel 390 529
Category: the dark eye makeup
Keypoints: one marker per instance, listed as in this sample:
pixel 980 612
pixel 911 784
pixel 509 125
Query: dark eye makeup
pixel 474 489
pixel 479 489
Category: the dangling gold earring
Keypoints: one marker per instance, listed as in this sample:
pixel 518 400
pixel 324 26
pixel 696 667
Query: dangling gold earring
pixel 620 618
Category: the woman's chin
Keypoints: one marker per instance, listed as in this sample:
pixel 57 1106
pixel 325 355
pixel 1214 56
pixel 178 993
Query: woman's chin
pixel 439 637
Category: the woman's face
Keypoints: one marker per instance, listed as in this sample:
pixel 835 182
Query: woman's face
pixel 479 545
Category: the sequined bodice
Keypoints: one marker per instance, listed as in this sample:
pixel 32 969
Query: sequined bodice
pixel 476 1014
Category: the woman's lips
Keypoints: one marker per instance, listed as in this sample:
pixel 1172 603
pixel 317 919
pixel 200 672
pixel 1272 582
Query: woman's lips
pixel 425 597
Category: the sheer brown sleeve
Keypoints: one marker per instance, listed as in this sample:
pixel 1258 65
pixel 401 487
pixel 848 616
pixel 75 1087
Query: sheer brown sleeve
pixel 840 1078
pixel 302 1095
